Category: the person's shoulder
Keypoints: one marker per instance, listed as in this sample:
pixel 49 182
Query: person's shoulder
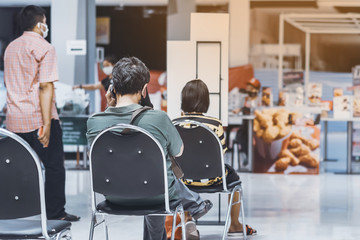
pixel 203 119
pixel 213 119
pixel 156 114
pixel 95 117
pixel 48 47
pixel 14 44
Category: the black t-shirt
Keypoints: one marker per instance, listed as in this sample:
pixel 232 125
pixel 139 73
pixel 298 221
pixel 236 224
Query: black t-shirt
pixel 106 83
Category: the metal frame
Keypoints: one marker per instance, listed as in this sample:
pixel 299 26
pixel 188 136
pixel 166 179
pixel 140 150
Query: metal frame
pixel 348 23
pixel 43 217
pixel 220 78
pixel 179 209
pixel 237 188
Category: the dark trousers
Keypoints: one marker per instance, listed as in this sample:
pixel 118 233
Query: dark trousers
pixel 242 136
pixel 53 159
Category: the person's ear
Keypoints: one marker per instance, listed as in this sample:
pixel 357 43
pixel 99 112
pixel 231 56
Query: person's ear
pixel 143 92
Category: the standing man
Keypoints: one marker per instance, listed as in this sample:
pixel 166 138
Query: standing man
pixel 30 71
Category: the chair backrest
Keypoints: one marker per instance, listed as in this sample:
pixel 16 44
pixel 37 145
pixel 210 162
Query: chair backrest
pixel 128 164
pixel 203 156
pixel 21 182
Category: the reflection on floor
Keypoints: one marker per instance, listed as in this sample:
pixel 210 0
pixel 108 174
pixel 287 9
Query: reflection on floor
pixel 279 207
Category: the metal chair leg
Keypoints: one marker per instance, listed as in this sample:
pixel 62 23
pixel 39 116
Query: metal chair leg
pixel 226 227
pixel 242 212
pixel 235 153
pixel 106 229
pixel 173 229
pixel 92 226
pixel 65 233
pixel 182 217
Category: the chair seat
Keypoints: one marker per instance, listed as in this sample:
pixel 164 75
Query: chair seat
pixel 214 189
pixel 25 229
pixel 111 208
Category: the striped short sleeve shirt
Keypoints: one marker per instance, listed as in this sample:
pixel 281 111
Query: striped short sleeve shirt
pixel 29 60
pixel 213 123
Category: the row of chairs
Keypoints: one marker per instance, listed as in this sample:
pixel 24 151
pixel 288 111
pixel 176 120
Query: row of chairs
pixel 126 161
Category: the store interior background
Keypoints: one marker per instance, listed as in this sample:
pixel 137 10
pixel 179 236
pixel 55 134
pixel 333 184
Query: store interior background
pixel 142 27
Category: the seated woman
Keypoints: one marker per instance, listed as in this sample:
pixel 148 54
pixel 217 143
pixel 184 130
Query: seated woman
pixel 194 103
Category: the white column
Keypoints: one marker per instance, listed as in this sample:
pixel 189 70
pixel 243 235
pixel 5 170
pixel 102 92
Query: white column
pixel 178 22
pixel 281 46
pixel 239 11
pixel 63 28
pixel 307 63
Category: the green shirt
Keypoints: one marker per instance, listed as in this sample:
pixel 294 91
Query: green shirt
pixel 155 122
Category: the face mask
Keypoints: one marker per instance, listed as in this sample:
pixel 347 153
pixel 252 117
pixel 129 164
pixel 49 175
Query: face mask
pixel 145 101
pixel 107 70
pixel 44 32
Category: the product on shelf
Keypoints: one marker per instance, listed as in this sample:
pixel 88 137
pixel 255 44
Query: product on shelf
pixel 342 107
pixel 314 94
pixel 266 97
pixel 338 92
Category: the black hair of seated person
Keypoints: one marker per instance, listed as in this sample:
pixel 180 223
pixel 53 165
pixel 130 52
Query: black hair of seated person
pixel 195 97
pixel 111 58
pixel 130 76
pixel 29 16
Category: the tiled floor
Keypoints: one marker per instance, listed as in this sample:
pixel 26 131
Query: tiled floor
pixel 280 207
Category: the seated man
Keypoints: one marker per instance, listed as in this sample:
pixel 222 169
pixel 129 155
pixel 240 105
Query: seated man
pixel 130 79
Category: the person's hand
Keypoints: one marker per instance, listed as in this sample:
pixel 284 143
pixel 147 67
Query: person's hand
pixel 44 135
pixel 111 102
pixel 75 87
pixel 236 110
pixel 4 109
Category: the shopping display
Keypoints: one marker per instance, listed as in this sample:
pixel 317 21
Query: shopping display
pixel 285 142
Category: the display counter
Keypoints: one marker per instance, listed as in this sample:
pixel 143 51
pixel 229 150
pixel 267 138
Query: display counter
pixel 349 131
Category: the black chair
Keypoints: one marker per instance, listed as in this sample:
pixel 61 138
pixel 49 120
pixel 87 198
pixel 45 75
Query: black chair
pixel 203 158
pixel 128 162
pixel 22 193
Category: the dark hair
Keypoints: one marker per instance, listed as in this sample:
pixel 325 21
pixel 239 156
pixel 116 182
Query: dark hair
pixel 130 76
pixel 29 16
pixel 195 97
pixel 111 58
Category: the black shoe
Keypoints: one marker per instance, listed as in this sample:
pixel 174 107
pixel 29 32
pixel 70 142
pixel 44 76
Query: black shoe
pixel 202 212
pixel 68 217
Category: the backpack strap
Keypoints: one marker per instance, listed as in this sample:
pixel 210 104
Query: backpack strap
pixel 137 112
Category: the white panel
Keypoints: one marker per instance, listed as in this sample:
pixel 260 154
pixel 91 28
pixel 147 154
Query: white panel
pixel 208 61
pixel 62 30
pixel 239 32
pixel 181 62
pixel 181 68
pixel 215 27
pixel 214 106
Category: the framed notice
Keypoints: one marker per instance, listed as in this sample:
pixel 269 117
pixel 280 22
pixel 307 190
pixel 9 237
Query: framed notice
pixel 103 30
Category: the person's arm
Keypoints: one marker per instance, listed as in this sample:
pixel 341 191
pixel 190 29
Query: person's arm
pixel 46 98
pixel 175 144
pixel 181 151
pixel 94 86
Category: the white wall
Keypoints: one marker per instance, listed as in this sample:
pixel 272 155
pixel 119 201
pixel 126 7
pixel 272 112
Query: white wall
pixel 178 24
pixel 239 11
pixel 68 23
pixel 181 62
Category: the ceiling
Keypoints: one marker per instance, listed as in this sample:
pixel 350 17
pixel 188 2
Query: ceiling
pixel 329 3
pixel 108 2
